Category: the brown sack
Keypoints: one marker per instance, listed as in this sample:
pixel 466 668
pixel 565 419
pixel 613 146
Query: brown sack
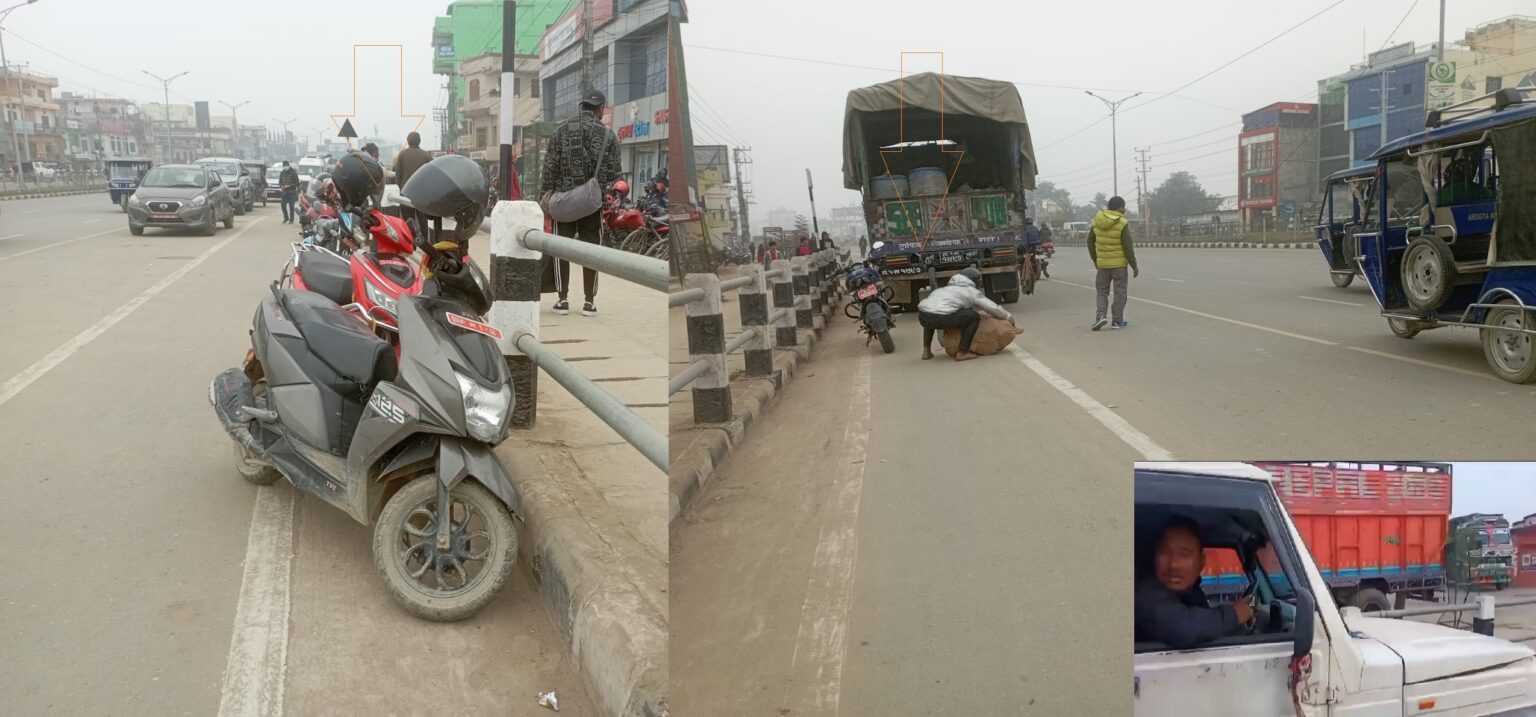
pixel 992 336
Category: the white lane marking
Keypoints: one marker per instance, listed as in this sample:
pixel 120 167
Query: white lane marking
pixel 1426 364
pixel 47 363
pixel 55 244
pixel 1122 429
pixel 1202 314
pixel 1332 301
pixel 1164 278
pixel 258 648
pixel 13 236
pixel 824 617
pixel 90 221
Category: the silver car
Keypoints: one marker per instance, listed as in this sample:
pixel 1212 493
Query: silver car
pixel 237 177
pixel 181 195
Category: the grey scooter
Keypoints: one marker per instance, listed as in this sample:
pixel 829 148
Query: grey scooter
pixel 403 444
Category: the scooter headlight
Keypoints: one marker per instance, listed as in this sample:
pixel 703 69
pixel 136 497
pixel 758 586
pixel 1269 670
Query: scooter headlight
pixel 485 411
pixel 379 298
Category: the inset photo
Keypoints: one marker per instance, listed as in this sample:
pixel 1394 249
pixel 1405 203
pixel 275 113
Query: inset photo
pixel 1324 588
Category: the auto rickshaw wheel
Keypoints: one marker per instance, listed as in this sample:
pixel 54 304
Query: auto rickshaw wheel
pixel 1403 328
pixel 1511 355
pixel 1429 273
pixel 1342 280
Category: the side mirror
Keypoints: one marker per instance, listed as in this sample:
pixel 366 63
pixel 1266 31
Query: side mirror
pixel 1306 614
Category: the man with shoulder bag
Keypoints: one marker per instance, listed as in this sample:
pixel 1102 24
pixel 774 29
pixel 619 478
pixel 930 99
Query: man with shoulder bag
pixel 583 158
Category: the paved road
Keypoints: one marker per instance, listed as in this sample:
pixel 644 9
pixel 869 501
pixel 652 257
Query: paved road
pixel 129 526
pixel 934 558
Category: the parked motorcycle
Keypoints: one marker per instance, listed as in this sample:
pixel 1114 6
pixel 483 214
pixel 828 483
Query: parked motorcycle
pixel 404 443
pixel 870 305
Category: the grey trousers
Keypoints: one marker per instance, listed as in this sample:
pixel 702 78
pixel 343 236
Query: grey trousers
pixel 1102 282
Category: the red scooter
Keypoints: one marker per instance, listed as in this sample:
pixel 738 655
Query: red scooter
pixel 372 279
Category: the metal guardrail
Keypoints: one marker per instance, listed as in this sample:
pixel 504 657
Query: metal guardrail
pixel 1484 606
pixel 797 288
pixel 517 265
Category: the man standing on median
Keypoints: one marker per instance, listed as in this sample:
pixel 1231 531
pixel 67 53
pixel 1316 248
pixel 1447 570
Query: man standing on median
pixel 581 148
pixel 1109 245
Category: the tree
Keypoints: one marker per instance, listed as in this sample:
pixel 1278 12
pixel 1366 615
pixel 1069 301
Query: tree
pixel 1055 203
pixel 802 225
pixel 1180 195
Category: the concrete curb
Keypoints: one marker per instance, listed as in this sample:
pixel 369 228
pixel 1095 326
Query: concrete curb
pixel 1212 245
pixel 8 197
pixel 692 469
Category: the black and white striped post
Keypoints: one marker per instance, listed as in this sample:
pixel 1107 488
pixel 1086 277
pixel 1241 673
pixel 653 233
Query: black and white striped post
pixel 516 271
pixel 802 284
pixel 818 285
pixel 706 342
pixel 784 303
pixel 758 351
pixel 1483 623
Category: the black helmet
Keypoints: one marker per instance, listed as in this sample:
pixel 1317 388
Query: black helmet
pixel 357 176
pixel 450 187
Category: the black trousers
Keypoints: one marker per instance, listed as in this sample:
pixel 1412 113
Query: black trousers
pixel 967 320
pixel 588 229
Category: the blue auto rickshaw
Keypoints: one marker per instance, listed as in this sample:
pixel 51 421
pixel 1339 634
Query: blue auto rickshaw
pixel 1449 233
pixel 1346 195
pixel 123 174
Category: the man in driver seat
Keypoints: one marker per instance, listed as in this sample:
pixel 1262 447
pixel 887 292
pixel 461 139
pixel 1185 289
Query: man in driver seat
pixel 1171 608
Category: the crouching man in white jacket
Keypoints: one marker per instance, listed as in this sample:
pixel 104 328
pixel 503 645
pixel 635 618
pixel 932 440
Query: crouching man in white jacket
pixel 954 306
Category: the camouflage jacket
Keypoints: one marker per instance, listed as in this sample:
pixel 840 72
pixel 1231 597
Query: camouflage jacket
pixel 572 155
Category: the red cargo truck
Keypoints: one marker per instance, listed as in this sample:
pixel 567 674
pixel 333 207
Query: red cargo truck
pixel 1374 529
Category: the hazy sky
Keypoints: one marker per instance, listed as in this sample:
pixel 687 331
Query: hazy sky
pixel 1508 488
pixel 791 112
pixel 291 59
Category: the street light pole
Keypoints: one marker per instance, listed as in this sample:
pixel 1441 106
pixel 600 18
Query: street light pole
pixel 165 84
pixel 234 120
pixel 1114 132
pixel 285 127
pixel 21 102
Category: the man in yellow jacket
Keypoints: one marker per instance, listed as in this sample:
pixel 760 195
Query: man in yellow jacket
pixel 1109 245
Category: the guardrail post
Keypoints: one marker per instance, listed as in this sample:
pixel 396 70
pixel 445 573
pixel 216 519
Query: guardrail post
pixel 754 316
pixel 1483 623
pixel 784 298
pixel 706 342
pixel 817 277
pixel 802 284
pixel 516 272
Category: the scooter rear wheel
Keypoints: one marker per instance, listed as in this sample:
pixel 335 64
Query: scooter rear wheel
pixel 417 574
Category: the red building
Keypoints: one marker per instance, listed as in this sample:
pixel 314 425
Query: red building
pixel 1524 536
pixel 1277 166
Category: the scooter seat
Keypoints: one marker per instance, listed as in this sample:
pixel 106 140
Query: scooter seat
pixel 327 275
pixel 340 339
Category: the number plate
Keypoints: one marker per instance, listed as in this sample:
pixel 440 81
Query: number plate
pixel 475 326
pixel 162 216
pixel 867 291
pixel 952 257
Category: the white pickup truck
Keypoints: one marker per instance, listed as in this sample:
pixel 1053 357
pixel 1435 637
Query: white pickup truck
pixel 1343 663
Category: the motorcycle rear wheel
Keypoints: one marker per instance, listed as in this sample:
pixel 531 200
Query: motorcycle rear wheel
pixel 886 342
pixel 405 530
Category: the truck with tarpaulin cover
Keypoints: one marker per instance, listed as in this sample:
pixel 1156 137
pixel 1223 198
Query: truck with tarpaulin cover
pixel 1480 552
pixel 1376 530
pixel 943 163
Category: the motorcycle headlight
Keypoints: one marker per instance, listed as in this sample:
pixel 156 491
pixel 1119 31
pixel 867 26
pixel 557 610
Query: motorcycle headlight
pixel 199 200
pixel 485 411
pixel 379 298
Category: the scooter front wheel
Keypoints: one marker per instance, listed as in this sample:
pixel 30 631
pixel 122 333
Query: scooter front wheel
pixel 452 582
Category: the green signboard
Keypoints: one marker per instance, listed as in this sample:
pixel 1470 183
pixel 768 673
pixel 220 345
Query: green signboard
pixel 989 212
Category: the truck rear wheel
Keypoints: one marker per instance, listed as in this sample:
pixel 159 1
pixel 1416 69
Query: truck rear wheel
pixel 1370 600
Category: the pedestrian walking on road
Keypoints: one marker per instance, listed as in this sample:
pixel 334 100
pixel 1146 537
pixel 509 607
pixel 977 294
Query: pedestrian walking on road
pixel 407 161
pixel 863 246
pixel 1109 245
pixel 826 241
pixel 288 182
pixel 953 306
pixel 770 255
pixel 805 247
pixel 581 148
